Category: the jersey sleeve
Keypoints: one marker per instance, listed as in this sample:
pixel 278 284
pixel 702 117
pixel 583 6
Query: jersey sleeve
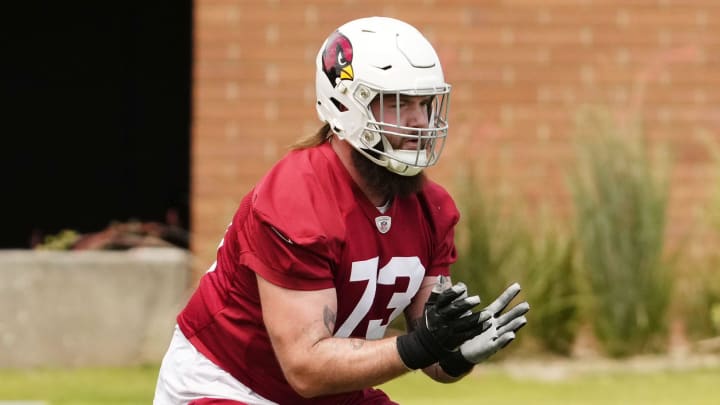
pixel 283 262
pixel 292 230
pixel 444 216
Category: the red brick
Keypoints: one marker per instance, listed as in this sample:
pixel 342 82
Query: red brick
pixel 520 69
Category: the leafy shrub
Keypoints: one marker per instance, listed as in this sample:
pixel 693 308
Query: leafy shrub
pixel 620 199
pixel 497 245
pixel 551 285
pixel 700 290
pixel 488 241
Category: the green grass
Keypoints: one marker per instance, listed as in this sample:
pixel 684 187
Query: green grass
pixel 690 387
pixel 116 386
pixel 136 386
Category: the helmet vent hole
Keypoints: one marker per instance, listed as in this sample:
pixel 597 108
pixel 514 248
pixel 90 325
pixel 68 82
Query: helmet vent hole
pixel 340 106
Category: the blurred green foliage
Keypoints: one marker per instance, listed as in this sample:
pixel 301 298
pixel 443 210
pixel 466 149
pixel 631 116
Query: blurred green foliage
pixel 610 267
pixel 488 241
pixel 550 280
pixel 63 240
pixel 498 245
pixel 700 278
pixel 620 196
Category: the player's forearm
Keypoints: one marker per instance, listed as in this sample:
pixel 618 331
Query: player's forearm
pixel 334 365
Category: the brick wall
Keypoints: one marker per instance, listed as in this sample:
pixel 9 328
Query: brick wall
pixel 519 70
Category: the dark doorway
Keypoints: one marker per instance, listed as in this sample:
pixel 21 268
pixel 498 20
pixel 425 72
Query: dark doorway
pixel 97 116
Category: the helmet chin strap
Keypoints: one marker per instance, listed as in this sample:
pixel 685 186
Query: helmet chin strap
pixel 401 168
pixel 399 164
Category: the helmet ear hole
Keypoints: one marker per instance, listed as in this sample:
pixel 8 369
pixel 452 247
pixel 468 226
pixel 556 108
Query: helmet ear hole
pixel 340 106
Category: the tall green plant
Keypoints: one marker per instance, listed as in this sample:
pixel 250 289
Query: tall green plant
pixel 714 207
pixel 712 289
pixel 488 240
pixel 551 286
pixel 701 291
pixel 620 196
pixel 500 244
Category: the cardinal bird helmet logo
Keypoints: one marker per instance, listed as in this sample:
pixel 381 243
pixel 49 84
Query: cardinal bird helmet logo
pixel 337 59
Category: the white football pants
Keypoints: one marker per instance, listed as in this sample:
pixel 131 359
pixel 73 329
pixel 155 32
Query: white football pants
pixel 186 374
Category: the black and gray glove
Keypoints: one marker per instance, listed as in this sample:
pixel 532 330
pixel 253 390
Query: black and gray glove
pixel 500 334
pixel 444 326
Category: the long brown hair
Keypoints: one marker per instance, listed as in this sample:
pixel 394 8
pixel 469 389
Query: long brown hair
pixel 318 138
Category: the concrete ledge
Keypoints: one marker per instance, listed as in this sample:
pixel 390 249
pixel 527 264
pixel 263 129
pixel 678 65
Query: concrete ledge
pixel 89 308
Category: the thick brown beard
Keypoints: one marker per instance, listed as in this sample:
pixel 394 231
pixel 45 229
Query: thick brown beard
pixel 385 182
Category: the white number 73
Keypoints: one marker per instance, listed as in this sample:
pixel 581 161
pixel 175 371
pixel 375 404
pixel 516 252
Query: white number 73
pixel 367 271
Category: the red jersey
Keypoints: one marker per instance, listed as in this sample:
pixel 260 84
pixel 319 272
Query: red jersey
pixel 306 225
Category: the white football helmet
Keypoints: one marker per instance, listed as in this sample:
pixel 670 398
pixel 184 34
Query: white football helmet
pixel 375 57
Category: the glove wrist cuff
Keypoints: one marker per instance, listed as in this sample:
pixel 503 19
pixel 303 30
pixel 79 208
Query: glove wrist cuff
pixel 413 352
pixel 455 364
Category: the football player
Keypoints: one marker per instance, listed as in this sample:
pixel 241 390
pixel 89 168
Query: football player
pixel 343 235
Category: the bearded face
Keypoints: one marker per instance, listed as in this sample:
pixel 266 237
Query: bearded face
pixel 384 181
